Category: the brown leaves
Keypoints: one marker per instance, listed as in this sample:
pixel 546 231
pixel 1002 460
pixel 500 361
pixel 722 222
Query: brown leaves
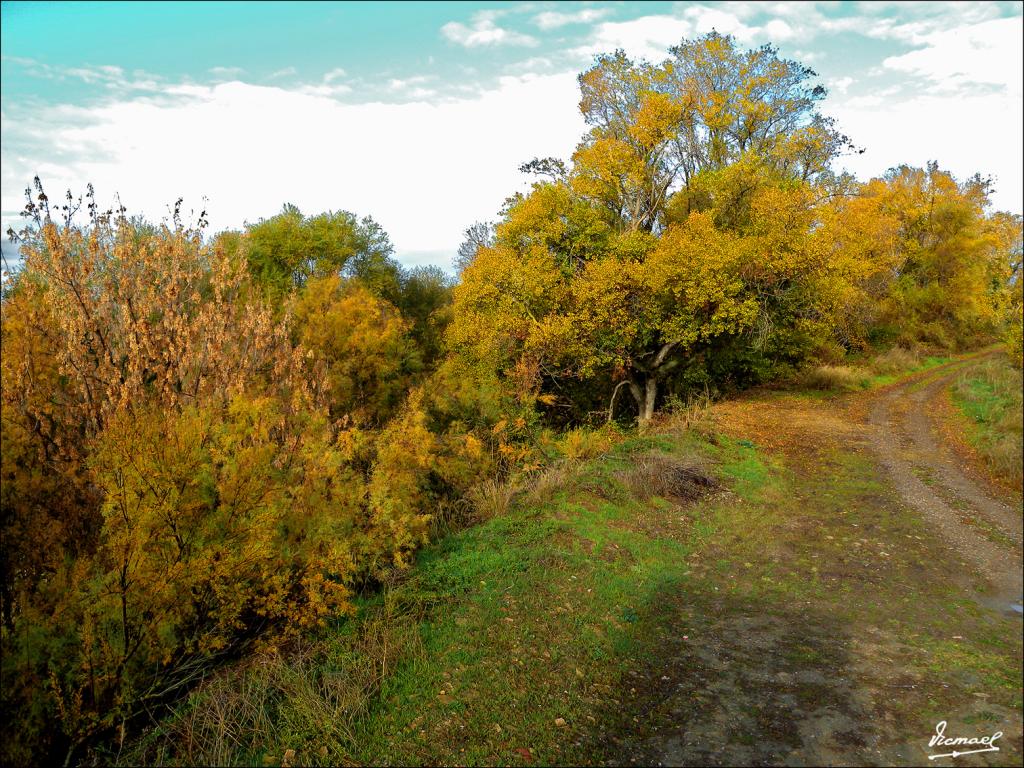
pixel 150 315
pixel 229 501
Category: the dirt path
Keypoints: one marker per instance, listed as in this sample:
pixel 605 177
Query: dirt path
pixel 902 543
pixel 982 529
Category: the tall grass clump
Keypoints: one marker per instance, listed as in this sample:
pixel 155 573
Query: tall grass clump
pixel 896 359
pixel 834 378
pixel 492 497
pixel 990 395
pixel 298 706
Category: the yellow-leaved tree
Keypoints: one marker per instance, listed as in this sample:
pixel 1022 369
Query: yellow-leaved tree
pixel 936 265
pixel 685 225
pixel 187 468
pixel 363 342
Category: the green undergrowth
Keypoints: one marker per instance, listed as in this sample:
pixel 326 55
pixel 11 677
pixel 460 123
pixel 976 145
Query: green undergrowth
pixel 989 397
pixel 522 640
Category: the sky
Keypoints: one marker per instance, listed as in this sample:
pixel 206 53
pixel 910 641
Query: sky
pixel 419 114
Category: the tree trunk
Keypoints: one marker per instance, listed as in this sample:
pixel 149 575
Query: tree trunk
pixel 643 382
pixel 645 393
pixel 650 396
pixel 611 404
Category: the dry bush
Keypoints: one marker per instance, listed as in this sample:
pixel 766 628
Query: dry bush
pixel 670 479
pixel 694 413
pixel 828 352
pixel 492 497
pixel 1005 459
pixel 545 483
pixel 895 360
pixel 451 515
pixel 834 377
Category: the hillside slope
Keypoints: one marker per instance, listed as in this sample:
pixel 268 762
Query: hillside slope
pixel 800 607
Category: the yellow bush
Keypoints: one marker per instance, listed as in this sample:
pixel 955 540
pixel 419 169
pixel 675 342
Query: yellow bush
pixel 208 498
pixel 1015 336
pixel 582 443
pixel 398 485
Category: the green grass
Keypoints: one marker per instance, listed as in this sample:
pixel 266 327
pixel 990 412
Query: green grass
pixel 989 397
pixel 518 620
pixel 881 380
pixel 527 638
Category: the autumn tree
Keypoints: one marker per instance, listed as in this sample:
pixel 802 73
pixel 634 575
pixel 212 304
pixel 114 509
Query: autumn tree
pixel 478 235
pixel 364 345
pixel 175 484
pixel 656 129
pixel 425 302
pixel 287 252
pixel 937 264
pixel 1011 229
pixel 685 220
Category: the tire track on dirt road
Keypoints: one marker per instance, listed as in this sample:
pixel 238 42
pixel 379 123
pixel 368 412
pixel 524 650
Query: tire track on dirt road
pixel 837 636
pixel 904 441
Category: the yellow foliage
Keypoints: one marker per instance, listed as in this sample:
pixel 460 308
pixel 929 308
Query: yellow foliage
pixel 363 344
pixel 932 265
pixel 398 484
pixel 174 483
pixel 580 444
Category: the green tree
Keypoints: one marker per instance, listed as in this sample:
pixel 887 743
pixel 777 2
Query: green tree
pixel 425 301
pixel 286 250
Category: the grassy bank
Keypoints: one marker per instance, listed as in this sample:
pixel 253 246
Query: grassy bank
pixel 609 604
pixel 989 397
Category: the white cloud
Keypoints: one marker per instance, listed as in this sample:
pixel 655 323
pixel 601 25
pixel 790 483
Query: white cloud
pixel 778 30
pixel 397 84
pixel 555 19
pixel 484 31
pixel 840 85
pixel 650 37
pixel 988 53
pixel 106 73
pixel 647 37
pixel 109 76
pixel 413 88
pixel 328 85
pixel 915 23
pixel 325 90
pixel 706 19
pixel 226 73
pixel 534 64
pixel 425 171
pixel 980 133
pixel 286 72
